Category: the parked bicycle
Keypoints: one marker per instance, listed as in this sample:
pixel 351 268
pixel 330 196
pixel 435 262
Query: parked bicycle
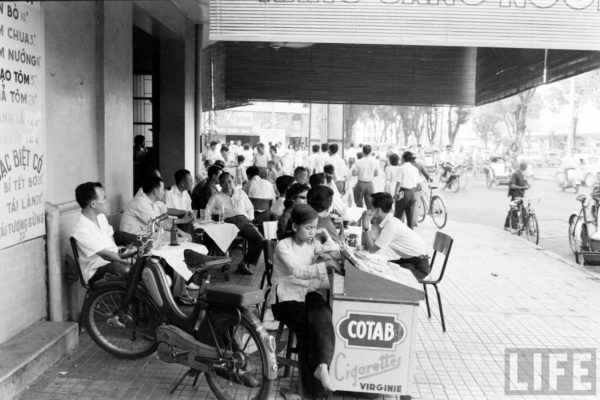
pixel 522 219
pixel 131 317
pixel 581 227
pixel 432 204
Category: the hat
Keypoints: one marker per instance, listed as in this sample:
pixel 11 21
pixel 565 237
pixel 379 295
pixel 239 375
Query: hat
pixel 408 156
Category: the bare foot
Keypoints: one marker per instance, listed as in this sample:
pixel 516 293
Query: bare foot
pixel 322 374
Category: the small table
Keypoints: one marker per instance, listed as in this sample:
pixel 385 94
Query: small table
pixel 222 234
pixel 173 255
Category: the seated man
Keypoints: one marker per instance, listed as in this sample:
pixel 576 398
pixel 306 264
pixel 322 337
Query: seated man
pixel 391 238
pixel 178 198
pixel 239 211
pixel 320 198
pixel 203 191
pixel 145 206
pixel 98 253
pixel 257 187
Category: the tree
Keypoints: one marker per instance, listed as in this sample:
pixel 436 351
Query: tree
pixel 413 122
pixel 457 116
pixel 514 111
pixel 486 122
pixel 386 115
pixel 573 94
pixel 432 116
pixel 352 114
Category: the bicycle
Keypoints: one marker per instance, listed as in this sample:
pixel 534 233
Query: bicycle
pixel 133 316
pixel 522 219
pixel 434 206
pixel 581 226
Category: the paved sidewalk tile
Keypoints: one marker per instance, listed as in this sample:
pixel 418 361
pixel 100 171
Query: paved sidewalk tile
pixel 500 292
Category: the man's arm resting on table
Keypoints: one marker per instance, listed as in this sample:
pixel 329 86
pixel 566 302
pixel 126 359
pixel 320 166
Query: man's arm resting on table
pixel 368 242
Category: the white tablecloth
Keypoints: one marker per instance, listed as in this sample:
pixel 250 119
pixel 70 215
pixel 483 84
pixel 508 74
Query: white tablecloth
pixel 222 234
pixel 354 213
pixel 174 256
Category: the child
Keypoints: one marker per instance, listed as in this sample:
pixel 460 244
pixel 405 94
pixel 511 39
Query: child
pixel 299 269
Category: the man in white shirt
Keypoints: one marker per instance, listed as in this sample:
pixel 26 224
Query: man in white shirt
pixel 340 168
pixel 248 155
pixel 238 210
pixel 212 153
pixel 315 161
pixel 178 198
pixel 256 187
pixel 98 252
pixel 324 155
pixel 351 155
pixel 408 179
pixel 260 160
pixel 367 168
pixel 392 239
pixel 146 205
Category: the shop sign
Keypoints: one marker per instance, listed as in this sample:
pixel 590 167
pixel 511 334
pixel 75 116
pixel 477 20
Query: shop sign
pixel 22 138
pixel 371 331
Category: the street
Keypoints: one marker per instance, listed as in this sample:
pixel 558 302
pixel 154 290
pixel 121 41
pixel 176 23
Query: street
pixel 479 205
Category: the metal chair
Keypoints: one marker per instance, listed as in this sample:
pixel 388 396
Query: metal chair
pixel 77 266
pixel 442 244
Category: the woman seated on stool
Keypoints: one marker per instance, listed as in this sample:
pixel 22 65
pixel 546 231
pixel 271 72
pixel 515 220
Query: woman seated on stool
pixel 299 269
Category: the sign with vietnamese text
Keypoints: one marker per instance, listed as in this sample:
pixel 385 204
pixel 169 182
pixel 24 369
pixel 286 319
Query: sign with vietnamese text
pixel 539 24
pixel 22 139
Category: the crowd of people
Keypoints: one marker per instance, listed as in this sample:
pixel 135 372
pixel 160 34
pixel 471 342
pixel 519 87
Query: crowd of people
pixel 307 196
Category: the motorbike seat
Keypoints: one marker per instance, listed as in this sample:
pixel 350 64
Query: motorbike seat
pixel 196 261
pixel 237 295
pixel 581 197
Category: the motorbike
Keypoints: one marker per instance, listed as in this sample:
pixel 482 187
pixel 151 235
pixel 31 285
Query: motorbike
pixel 570 178
pixel 451 177
pixel 133 316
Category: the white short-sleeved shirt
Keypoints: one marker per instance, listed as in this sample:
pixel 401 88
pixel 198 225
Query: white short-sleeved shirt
pixel 339 165
pixel 177 199
pixel 366 168
pixel 237 204
pixel 396 240
pixel 259 188
pixel 392 176
pixel 91 239
pixel 315 163
pixel 409 176
pixel 138 212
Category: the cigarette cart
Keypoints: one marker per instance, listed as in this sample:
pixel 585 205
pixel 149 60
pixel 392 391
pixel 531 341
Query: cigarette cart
pixel 375 322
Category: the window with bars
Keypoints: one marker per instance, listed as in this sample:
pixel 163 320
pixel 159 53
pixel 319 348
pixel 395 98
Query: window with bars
pixel 142 107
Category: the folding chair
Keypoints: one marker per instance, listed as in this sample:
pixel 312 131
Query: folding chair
pixel 442 244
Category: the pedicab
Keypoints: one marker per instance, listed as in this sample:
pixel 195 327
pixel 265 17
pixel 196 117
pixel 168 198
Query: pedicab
pixel 584 237
pixel 497 171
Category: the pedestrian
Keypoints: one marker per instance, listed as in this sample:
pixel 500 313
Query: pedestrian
pixel 408 179
pixel 366 169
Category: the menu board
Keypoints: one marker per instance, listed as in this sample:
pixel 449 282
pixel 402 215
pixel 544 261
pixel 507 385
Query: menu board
pixel 22 125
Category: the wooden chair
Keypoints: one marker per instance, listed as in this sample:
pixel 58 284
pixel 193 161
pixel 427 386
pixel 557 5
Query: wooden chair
pixel 442 244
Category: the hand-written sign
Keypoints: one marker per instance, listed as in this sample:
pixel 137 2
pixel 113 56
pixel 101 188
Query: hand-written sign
pixel 22 135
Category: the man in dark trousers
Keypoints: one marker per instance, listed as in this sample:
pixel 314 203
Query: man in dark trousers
pixel 517 187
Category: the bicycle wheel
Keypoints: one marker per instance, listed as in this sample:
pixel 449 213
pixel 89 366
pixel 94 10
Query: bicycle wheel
pixel 241 374
pixel 422 209
pixel 134 340
pixel 464 180
pixel 513 221
pixel 455 184
pixel 532 229
pixel 438 211
pixel 572 239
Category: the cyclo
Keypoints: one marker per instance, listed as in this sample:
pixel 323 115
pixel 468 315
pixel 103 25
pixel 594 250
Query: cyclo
pixel 583 229
pixel 133 316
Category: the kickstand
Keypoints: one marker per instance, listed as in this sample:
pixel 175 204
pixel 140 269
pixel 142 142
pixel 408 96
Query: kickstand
pixel 191 373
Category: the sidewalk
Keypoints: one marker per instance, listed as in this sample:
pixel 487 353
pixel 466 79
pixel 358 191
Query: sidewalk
pixel 500 292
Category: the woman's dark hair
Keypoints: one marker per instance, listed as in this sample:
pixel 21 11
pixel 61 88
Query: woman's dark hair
pixel 139 140
pixel 283 183
pixel 213 171
pixel 292 192
pixel 303 213
pixel 320 198
pixel 394 159
pixel 224 148
pixel 382 200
